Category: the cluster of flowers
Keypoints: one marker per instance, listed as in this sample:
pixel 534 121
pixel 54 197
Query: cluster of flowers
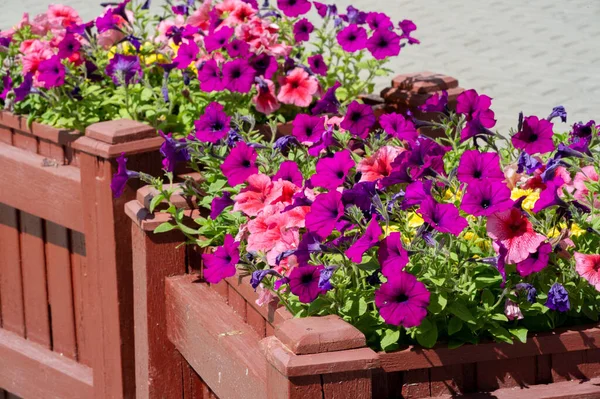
pixel 244 56
pixel 460 237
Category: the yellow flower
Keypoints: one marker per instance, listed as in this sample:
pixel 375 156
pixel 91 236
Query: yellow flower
pixel 449 195
pixel 126 48
pixel 576 231
pixel 530 200
pixel 152 58
pixel 414 220
pixel 387 230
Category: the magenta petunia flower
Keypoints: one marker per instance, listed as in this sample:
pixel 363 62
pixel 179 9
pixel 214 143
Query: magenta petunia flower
pixel 445 218
pixel 308 129
pixel 173 151
pixel 6 85
pixel 359 119
pixel 240 164
pixel 321 9
pixel 407 27
pixel 289 171
pixel 210 77
pixel 120 178
pixel 416 192
pixel 218 204
pixel 294 8
pixel 366 242
pixel 435 103
pixel 352 38
pixel 328 104
pixel 535 137
pixel 238 48
pixel 331 172
pixel 24 88
pixel 264 64
pixel 476 166
pixel 536 261
pixel 221 264
pixel 238 76
pixel 550 195
pixel 398 126
pixel 402 300
pixel 186 54
pixel 304 282
pixel 384 43
pixel 68 46
pixel 302 30
pixel 391 255
pixel 379 20
pixel 124 69
pixel 425 158
pixel 218 39
pixel 326 140
pixel 213 125
pixel 51 72
pixel 476 109
pixel 325 212
pixel 317 65
pixel 483 198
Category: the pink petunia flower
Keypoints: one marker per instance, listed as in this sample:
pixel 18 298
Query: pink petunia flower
pixel 265 100
pixel 34 52
pixel 587 174
pixel 297 88
pixel 588 267
pixel 61 16
pixel 378 165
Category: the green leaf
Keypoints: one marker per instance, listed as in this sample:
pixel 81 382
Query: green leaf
pixel 164 227
pixel 390 339
pixel 438 303
pixel 455 325
pixel 146 94
pixel 460 310
pixel 155 201
pixel 499 317
pixel 487 298
pixel 427 334
pixel 501 334
pixel 520 333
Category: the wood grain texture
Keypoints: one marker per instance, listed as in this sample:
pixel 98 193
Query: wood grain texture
pixel 11 282
pixel 506 373
pixel 281 387
pixel 354 383
pixel 81 298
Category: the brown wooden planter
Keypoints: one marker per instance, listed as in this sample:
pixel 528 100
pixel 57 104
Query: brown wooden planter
pixel 193 338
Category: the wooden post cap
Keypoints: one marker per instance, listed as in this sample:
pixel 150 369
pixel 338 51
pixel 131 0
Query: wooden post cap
pixel 319 334
pixel 424 82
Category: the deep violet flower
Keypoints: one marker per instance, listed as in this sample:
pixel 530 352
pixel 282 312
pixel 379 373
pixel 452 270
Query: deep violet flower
pixel 416 192
pixel 310 243
pixel 391 255
pixel 558 298
pixel 238 76
pixel 536 261
pixel 444 218
pixel 384 43
pixel 238 48
pixel 213 125
pixel 361 195
pixel 317 65
pixel 476 166
pixel 425 158
pixel 528 163
pixel 124 69
pixel 173 151
pixel 68 46
pixel 285 142
pixel 221 263
pixel 240 164
pixel 331 172
pixel 366 242
pixel 355 16
pixel 119 180
pixel 51 72
pixel 558 112
pixel 529 291
pixel 326 140
pixel 398 126
pixel 325 278
pixel 7 86
pixel 259 275
pixel 304 282
pixel 352 38
pixel 302 30
pixel 402 300
pixel 549 196
pixel 308 129
pixel 435 103
pixel 328 104
pixel 218 39
pixel 210 77
pixel 324 213
pixel 588 267
pixel 359 119
pixel 264 64
pixel 294 8
pixel 486 197
pixel 24 88
pixel 379 20
pixel 535 136
pixel 407 27
pixel 289 171
pixel 218 204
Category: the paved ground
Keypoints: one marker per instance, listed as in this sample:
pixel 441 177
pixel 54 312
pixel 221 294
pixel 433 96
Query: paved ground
pixel 528 55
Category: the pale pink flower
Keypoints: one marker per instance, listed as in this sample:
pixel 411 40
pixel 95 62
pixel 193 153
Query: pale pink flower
pixel 201 17
pixel 281 247
pixel 512 310
pixel 378 165
pixel 511 175
pixel 252 199
pixel 264 296
pixel 61 16
pixel 282 192
pixel 34 51
pixel 588 267
pixel 265 100
pixel 587 173
pixel 270 227
pixel 239 12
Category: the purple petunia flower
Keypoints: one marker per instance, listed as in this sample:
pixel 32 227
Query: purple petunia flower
pixel 213 125
pixel 51 72
pixel 444 218
pixel 416 192
pixel 294 8
pixel 221 264
pixel 310 243
pixel 304 282
pixel 528 163
pixel 366 242
pixel 186 54
pixel 109 21
pixel 218 204
pixel 259 275
pixel 326 140
pixel 238 48
pixel 355 16
pixel 264 64
pixel 210 77
pixel 325 278
pixel 289 171
pixel 360 195
pixel 398 126
pixel 68 46
pixel 317 64
pixel 558 298
pixel 124 69
pixel 359 119
pixel 402 300
pixel 535 136
pixel 302 30
pixel 476 166
pixel 324 213
pixel 120 178
pixel 240 164
pixel 285 142
pixel 435 103
pixel 379 20
pixel 391 255
pixel 352 38
pixel 173 151
pixel 328 104
pixel 529 290
pixel 558 112
pixel 384 43
pixel 218 39
pixel 24 88
pixel 476 109
pixel 483 198
pixel 425 158
pixel 331 172
pixel 536 261
pixel 7 86
pixel 407 27
pixel 549 196
pixel 238 76
pixel 308 129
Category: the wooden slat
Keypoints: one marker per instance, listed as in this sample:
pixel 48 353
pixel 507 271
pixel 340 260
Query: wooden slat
pixel 81 293
pixel 13 316
pixel 30 371
pixel 60 290
pixel 222 349
pixel 33 263
pixel 51 193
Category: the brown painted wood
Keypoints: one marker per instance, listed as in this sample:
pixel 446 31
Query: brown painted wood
pixel 60 290
pixel 31 371
pixel 281 387
pixel 567 366
pixel 544 369
pixel 35 295
pixel 561 390
pixel 194 387
pixel 506 373
pixel 340 385
pixel 25 142
pixel 237 303
pixel 215 342
pixel 6 135
pixel 255 320
pixel 415 384
pixel 222 288
pixel 158 365
pixel 51 193
pixel 55 135
pixel 11 282
pixel 81 298
pixel 448 380
pixel 52 151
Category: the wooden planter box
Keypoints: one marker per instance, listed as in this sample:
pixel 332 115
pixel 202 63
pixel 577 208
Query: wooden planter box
pixel 194 339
